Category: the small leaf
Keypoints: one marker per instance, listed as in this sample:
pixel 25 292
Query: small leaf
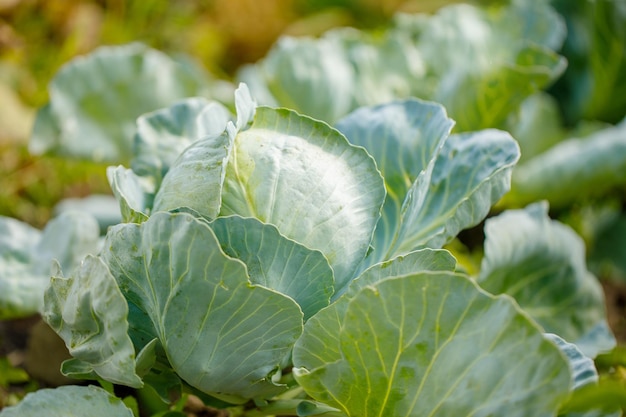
pixel 90 314
pixel 69 401
pixel 245 106
pixel 276 262
pixel 196 178
pixel 133 194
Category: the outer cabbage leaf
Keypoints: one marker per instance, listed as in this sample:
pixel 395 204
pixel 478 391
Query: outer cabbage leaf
pixel 95 99
pixel 277 262
pixel 26 256
pixel 90 314
pixel 162 135
pixel 403 137
pixel 470 174
pixel 306 179
pixel 323 329
pixel 541 263
pixel 573 170
pixel 585 376
pixel 221 334
pixel 433 344
pixel 70 401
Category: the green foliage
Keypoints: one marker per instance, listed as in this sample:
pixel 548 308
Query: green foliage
pixel 278 263
pixel 493 60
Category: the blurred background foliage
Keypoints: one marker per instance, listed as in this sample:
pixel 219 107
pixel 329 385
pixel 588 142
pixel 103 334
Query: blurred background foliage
pixel 38 36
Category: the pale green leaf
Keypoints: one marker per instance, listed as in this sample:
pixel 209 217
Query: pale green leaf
pixel 434 344
pixel 482 64
pixel 245 106
pixel 583 369
pixel 70 401
pixel 163 134
pixel 541 263
pixel 27 254
pixel 311 76
pixel 221 334
pixel 95 99
pixel 323 329
pixel 134 194
pixel 306 179
pixel 277 262
pixel 195 179
pixel 103 207
pixel 537 125
pixel 470 174
pixel 485 99
pixel 90 314
pixel 403 137
pixel 573 170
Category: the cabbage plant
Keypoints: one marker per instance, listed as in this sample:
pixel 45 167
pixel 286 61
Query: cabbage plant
pixel 272 264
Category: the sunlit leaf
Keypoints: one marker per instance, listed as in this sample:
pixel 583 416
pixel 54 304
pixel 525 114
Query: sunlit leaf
pixel 437 346
pixel 306 179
